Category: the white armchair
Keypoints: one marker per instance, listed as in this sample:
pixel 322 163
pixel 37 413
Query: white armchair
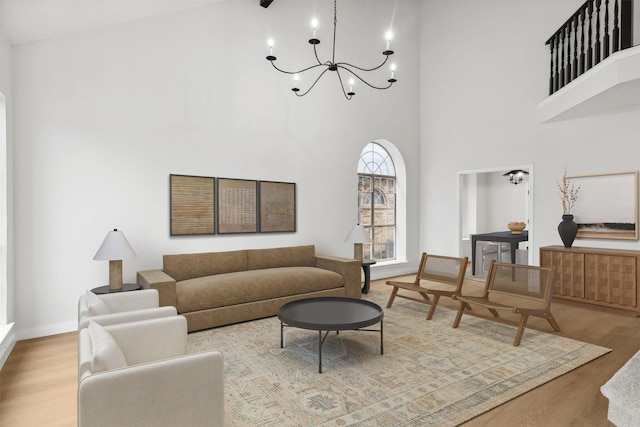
pixel 622 391
pixel 121 307
pixel 139 374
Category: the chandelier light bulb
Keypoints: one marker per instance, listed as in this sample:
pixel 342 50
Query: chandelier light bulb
pixel 295 83
pixel 270 44
pixel 393 69
pixel 388 36
pixel 351 85
pixel 314 25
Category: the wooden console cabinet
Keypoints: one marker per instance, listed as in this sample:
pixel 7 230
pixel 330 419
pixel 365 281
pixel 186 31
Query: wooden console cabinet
pixel 606 277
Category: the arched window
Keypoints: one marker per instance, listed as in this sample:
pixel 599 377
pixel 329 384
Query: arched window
pixel 377 201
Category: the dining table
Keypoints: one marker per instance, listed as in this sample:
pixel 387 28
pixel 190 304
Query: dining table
pixel 497 236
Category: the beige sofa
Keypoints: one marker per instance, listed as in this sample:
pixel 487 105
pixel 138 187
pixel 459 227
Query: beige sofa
pixel 221 288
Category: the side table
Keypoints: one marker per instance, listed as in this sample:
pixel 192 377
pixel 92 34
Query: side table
pixel 126 287
pixel 366 267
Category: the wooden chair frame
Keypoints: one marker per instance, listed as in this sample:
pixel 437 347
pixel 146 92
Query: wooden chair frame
pixel 532 302
pixel 431 280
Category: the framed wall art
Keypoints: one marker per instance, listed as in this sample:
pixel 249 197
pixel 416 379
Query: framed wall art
pixel 607 205
pixel 237 206
pixel 191 205
pixel 277 207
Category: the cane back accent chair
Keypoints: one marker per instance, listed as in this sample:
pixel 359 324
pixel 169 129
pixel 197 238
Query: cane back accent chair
pixel 522 289
pixel 437 276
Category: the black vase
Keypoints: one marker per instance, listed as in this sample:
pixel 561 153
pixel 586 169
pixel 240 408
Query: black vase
pixel 567 230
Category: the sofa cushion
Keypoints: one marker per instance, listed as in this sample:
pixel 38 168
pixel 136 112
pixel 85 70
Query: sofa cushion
pixel 95 305
pixel 105 351
pixel 190 266
pixel 296 256
pixel 237 288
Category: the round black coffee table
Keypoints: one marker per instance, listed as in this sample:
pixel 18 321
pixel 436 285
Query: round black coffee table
pixel 330 314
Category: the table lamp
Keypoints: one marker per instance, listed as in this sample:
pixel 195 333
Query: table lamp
pixel 358 235
pixel 114 249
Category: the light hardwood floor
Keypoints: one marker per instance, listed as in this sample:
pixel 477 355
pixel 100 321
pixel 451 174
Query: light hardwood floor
pixel 39 380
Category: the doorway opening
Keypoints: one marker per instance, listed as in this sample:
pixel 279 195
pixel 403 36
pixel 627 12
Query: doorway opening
pixel 488 202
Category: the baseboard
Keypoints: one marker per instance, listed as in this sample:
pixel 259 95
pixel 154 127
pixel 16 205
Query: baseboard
pixel 44 331
pixel 383 271
pixel 7 341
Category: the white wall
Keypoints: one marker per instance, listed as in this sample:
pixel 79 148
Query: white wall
pixel 103 117
pixel 7 333
pixel 6 76
pixel 484 71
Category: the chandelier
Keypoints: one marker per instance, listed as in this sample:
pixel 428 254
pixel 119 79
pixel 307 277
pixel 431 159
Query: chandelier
pixel 516 176
pixel 347 68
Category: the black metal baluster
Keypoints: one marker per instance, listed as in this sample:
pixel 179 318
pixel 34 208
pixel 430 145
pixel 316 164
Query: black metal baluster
pixel 598 47
pixel 616 29
pixel 575 46
pixel 590 39
pixel 562 57
pixel 556 79
pixel 551 87
pixel 626 24
pixel 568 67
pixel 605 40
pixel 582 57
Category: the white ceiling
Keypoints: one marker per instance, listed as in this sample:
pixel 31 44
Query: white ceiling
pixel 29 20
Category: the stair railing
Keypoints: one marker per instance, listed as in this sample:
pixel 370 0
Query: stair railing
pixel 575 49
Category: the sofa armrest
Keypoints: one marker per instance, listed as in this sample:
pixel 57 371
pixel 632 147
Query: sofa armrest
pixel 162 282
pixel 127 301
pixel 348 268
pixel 129 316
pixel 186 390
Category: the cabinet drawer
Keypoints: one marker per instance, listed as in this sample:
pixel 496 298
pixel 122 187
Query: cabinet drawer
pixel 611 279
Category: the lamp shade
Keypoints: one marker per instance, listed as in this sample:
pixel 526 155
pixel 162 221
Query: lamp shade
pixel 358 235
pixel 114 247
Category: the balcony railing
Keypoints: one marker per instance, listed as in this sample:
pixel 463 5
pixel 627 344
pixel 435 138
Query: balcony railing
pixel 596 30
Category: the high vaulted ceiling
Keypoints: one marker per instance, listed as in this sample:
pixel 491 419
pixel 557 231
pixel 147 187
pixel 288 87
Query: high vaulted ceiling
pixel 28 20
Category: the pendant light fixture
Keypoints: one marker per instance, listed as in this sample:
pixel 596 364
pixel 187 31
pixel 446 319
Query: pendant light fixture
pixel 342 69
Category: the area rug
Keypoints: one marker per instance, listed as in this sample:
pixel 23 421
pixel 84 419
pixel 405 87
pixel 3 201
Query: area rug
pixel 430 373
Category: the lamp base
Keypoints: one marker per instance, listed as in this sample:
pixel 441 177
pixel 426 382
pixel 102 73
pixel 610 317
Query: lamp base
pixel 115 275
pixel 357 251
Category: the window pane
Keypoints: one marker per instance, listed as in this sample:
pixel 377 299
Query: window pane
pixel 377 201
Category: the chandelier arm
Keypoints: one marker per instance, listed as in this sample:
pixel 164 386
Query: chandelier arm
pixel 363 80
pixel 315 52
pixel 314 83
pixel 386 58
pixel 346 95
pixel 296 72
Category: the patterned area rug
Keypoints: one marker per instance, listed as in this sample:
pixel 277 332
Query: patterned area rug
pixel 430 373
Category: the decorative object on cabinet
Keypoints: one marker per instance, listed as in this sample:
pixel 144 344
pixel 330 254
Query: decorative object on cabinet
pixel 567 230
pixel 608 205
pixel 192 205
pixel 114 249
pixel 599 276
pixel 237 206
